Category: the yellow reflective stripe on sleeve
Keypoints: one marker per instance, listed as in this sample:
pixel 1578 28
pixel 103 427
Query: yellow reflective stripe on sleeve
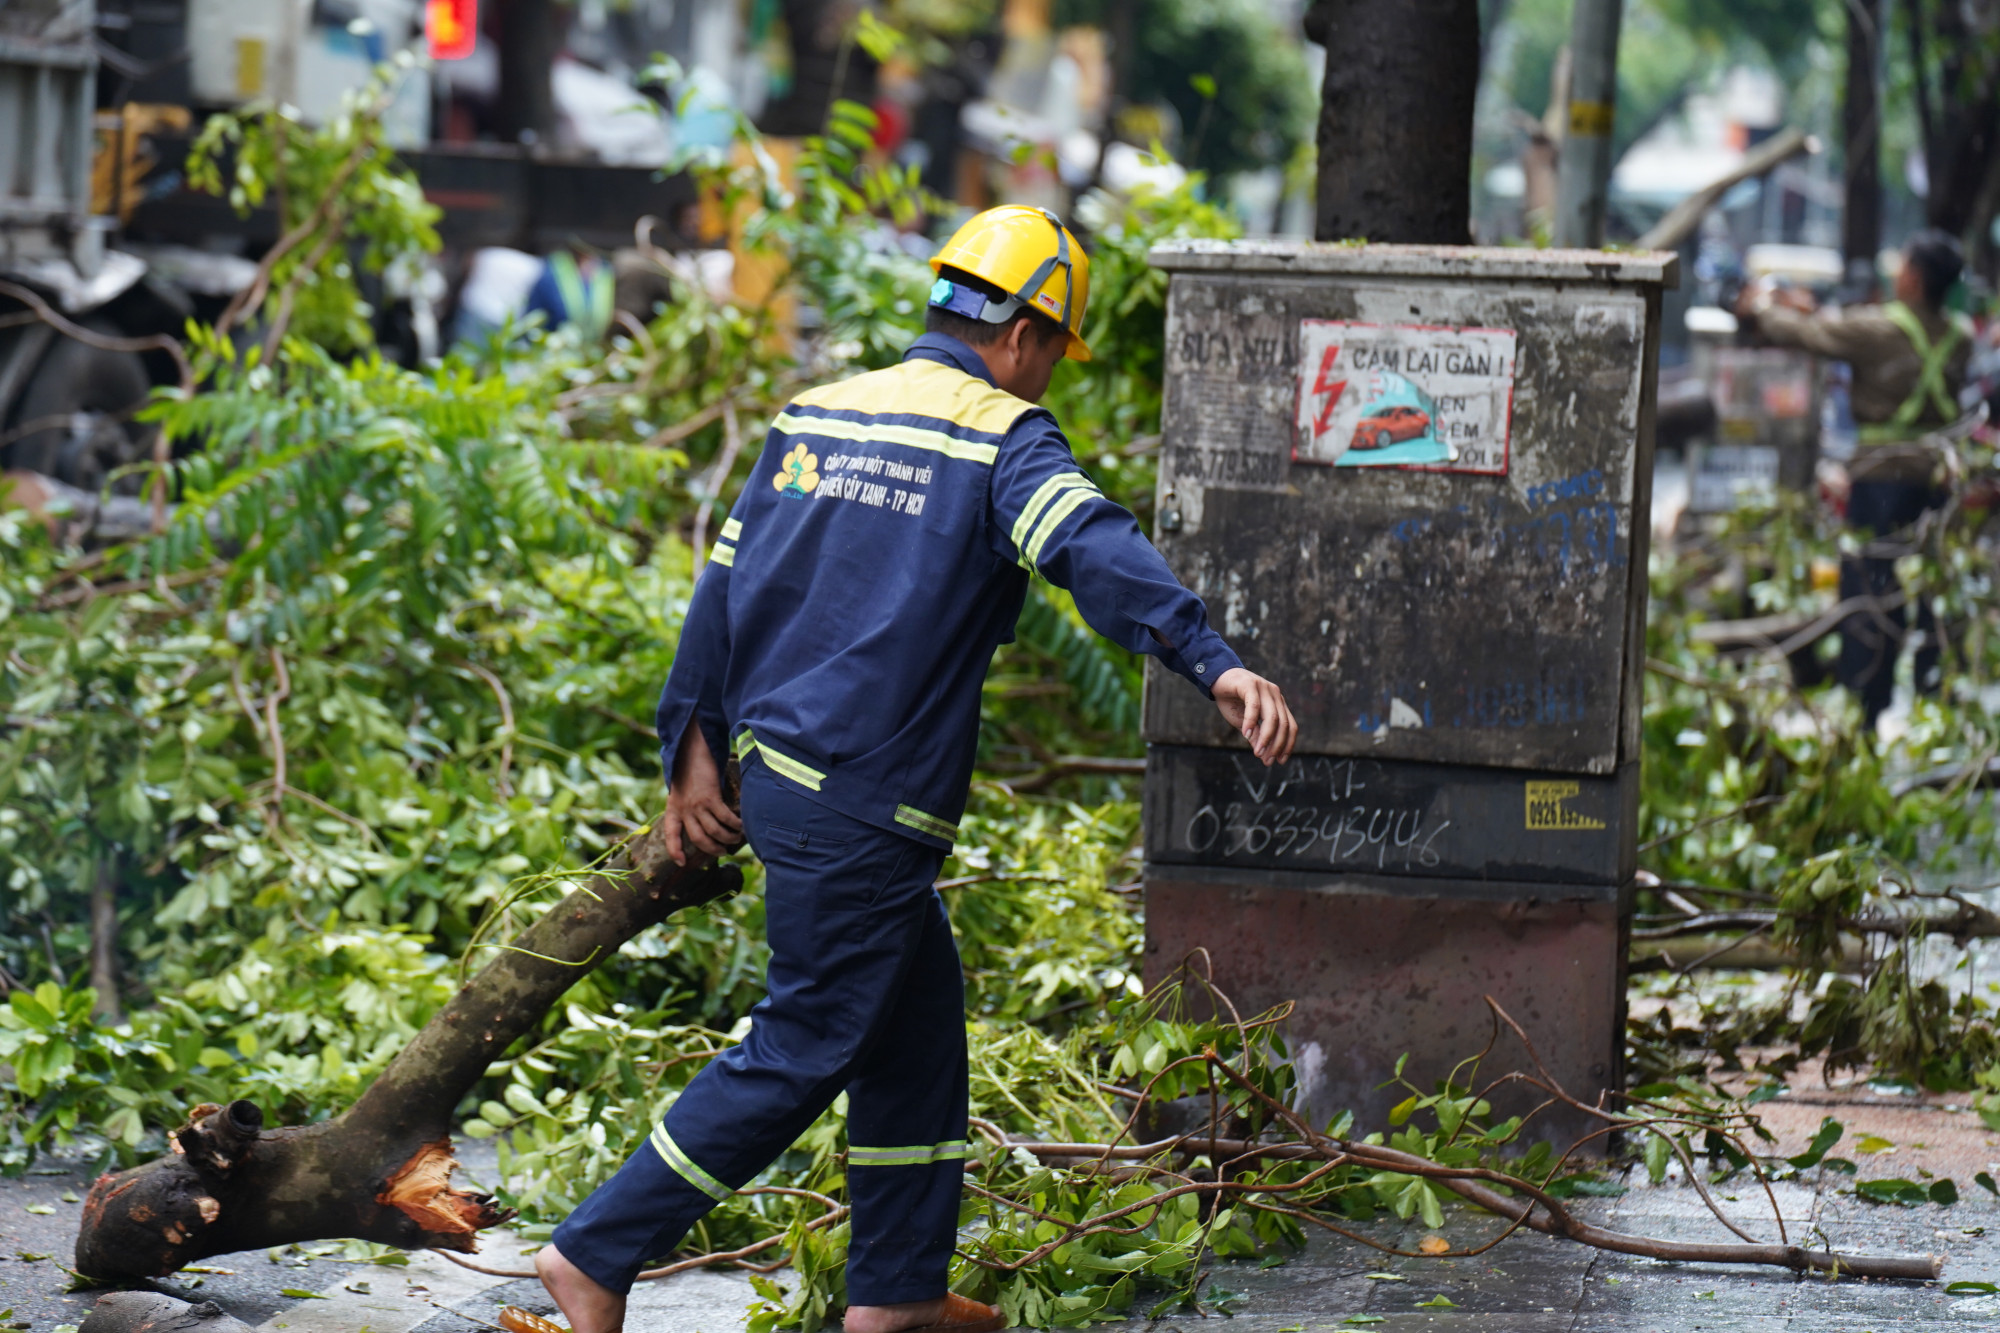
pixel 683 1166
pixel 922 1154
pixel 910 817
pixel 1044 494
pixel 732 530
pixel 722 554
pixel 882 433
pixel 782 764
pixel 1057 512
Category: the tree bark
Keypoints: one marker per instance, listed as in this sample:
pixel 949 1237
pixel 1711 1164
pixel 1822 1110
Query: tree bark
pixel 1861 139
pixel 1395 122
pixel 529 36
pixel 826 64
pixel 1961 134
pixel 104 940
pixel 381 1171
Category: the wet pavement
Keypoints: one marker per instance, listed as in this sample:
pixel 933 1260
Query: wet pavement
pixel 1527 1284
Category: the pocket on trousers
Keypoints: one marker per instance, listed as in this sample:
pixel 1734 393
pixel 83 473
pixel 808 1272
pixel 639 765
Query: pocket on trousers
pixel 799 836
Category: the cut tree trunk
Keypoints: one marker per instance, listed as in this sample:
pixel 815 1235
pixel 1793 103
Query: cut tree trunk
pixel 382 1171
pixel 530 37
pixel 1395 121
pixel 1861 139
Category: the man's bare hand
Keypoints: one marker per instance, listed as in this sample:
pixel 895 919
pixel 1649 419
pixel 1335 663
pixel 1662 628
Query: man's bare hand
pixel 1257 708
pixel 697 815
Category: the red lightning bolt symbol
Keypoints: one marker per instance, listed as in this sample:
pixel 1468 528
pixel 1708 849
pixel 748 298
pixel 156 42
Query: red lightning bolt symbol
pixel 1331 388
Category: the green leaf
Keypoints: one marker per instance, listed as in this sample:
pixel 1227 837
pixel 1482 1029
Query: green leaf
pixel 299 1294
pixel 1439 1301
pixel 1985 1182
pixel 1829 1134
pixel 39 1209
pixel 1362 1320
pixel 1203 85
pixel 1973 1289
pixel 1872 1144
pixel 1895 1190
pixel 1657 1153
pixel 1944 1191
pixel 1385 1277
pixel 1403 1110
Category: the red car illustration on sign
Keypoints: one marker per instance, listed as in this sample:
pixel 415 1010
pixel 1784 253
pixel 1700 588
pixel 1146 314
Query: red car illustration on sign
pixel 1390 425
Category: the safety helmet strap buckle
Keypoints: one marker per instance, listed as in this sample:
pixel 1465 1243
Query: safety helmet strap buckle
pixel 1048 266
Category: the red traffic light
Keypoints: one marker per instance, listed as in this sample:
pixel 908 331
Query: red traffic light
pixel 452 26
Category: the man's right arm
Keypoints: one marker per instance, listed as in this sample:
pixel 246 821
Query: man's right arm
pixel 1840 335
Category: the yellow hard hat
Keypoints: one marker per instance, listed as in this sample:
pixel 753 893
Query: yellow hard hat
pixel 1027 253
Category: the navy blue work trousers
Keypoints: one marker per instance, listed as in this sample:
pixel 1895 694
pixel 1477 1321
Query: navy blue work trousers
pixel 864 995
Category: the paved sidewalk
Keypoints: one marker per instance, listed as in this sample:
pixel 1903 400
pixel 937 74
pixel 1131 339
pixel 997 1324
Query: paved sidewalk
pixel 1528 1284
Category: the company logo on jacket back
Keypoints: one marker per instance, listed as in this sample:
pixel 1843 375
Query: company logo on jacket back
pixel 798 473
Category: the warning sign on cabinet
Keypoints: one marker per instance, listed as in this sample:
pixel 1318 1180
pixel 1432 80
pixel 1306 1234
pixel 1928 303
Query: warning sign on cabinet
pixel 1404 395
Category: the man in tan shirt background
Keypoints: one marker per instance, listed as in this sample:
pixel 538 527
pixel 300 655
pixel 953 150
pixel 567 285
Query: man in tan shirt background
pixel 1908 358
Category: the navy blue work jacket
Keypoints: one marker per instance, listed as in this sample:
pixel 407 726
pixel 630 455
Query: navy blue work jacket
pixel 878 555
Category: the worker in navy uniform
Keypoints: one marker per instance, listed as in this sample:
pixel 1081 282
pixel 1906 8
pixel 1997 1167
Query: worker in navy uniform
pixel 1908 358
pixel 836 646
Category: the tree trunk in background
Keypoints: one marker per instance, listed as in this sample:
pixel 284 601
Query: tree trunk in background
pixel 104 940
pixel 1956 83
pixel 1861 141
pixel 529 35
pixel 1395 121
pixel 826 64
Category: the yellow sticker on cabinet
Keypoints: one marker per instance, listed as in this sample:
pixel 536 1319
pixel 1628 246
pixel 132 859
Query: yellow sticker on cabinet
pixel 1546 811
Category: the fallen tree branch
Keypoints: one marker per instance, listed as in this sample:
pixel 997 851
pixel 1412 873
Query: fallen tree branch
pixel 1071 766
pixel 1681 220
pixel 1744 953
pixel 382 1170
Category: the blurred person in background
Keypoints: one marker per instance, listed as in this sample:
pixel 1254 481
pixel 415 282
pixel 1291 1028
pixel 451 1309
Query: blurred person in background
pixel 1908 359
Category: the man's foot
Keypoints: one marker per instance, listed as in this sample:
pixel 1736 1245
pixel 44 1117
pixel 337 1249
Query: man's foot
pixel 589 1307
pixel 956 1313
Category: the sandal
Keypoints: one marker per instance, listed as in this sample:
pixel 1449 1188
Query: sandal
pixel 962 1314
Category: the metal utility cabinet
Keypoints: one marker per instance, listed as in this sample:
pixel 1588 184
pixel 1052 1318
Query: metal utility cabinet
pixel 1412 485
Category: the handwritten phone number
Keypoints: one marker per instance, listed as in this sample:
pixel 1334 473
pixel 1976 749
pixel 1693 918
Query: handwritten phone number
pixel 1403 835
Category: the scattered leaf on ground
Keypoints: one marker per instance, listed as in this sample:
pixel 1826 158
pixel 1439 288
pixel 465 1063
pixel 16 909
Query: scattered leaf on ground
pixel 1873 1143
pixel 69 1196
pixel 1895 1190
pixel 1434 1245
pixel 40 1209
pixel 1973 1289
pixel 1362 1319
pixel 1385 1277
pixel 299 1294
pixel 1440 1301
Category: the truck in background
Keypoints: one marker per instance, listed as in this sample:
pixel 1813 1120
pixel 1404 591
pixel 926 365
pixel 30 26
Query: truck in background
pixel 99 101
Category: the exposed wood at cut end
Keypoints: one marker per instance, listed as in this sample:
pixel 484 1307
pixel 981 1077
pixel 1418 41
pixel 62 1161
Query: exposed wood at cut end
pixel 421 1190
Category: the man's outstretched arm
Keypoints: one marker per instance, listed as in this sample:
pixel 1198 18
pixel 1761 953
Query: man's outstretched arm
pixel 1054 521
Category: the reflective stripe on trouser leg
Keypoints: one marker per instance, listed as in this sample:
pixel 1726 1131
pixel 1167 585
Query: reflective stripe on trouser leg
pixel 849 910
pixel 639 1214
pixel 906 1159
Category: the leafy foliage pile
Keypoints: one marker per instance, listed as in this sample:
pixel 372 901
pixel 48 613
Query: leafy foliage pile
pixel 270 777
pixel 1770 808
